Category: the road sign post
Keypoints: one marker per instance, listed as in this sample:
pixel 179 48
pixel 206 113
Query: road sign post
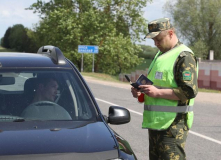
pixel 82 57
pixel 87 49
pixel 93 64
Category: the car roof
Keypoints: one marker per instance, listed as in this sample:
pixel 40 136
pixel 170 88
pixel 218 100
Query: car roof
pixel 30 60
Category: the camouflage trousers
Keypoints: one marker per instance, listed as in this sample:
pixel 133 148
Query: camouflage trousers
pixel 169 144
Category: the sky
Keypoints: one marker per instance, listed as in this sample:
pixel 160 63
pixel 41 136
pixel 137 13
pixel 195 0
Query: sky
pixel 13 12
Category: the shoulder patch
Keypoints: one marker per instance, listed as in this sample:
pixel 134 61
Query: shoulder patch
pixel 187 75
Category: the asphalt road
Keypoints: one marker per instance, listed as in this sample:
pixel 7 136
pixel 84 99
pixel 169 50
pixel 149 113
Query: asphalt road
pixel 204 140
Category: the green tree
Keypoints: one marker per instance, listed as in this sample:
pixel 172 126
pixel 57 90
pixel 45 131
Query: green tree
pixel 198 22
pixel 119 54
pixel 32 41
pixel 18 38
pixel 200 49
pixel 5 40
pixel 147 52
pixel 1 41
pixel 112 25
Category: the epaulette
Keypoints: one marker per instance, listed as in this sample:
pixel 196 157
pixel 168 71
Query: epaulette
pixel 184 54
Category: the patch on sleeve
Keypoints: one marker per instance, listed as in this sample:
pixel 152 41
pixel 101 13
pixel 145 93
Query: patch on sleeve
pixel 187 75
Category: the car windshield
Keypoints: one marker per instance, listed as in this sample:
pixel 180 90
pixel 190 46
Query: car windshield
pixel 44 95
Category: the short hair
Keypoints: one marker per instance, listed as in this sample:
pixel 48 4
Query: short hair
pixel 165 32
pixel 45 79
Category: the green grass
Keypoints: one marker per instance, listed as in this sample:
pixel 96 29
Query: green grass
pixel 2 49
pixel 209 90
pixel 102 76
pixel 107 77
pixel 143 66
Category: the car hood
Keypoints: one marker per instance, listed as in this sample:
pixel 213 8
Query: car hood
pixel 88 141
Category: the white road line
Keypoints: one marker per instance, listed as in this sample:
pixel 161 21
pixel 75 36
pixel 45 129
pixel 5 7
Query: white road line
pixel 23 77
pixel 205 137
pixel 117 105
pixel 194 133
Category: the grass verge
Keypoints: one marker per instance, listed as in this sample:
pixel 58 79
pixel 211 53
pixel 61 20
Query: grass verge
pixel 143 66
pixel 6 50
pixel 209 90
pixel 102 76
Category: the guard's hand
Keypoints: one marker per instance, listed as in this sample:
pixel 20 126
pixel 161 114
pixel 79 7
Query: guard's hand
pixel 150 90
pixel 136 93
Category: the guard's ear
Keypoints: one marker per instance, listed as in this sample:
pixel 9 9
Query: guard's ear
pixel 171 33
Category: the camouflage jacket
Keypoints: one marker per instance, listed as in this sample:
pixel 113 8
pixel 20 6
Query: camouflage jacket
pixel 187 87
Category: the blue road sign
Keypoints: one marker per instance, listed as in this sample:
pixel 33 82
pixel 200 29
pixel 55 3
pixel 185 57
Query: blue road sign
pixel 87 49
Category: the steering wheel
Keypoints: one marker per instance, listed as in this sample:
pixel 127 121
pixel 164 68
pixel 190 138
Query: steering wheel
pixel 45 110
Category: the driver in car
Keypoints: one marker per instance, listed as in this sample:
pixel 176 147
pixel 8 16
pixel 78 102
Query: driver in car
pixel 43 106
pixel 46 90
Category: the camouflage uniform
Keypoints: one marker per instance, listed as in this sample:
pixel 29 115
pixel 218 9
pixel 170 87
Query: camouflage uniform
pixel 169 144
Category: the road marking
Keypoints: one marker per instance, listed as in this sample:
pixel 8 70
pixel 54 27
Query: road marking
pixel 205 137
pixel 194 133
pixel 117 105
pixel 23 76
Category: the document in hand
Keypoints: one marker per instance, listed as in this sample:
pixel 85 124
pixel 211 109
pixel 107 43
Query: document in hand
pixel 142 80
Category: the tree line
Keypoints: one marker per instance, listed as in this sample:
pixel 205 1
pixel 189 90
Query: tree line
pixel 19 38
pixel 115 26
pixel 198 22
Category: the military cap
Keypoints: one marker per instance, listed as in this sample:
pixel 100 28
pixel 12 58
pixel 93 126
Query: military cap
pixel 157 26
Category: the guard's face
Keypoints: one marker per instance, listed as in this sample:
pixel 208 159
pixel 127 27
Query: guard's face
pixel 50 91
pixel 162 41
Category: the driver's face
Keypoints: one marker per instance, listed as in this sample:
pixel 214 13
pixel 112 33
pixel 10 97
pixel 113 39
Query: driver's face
pixel 50 91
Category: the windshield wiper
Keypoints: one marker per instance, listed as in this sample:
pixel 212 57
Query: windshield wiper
pixel 19 120
pixel 11 118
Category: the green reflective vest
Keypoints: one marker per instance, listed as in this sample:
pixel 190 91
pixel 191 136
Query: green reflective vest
pixel 160 113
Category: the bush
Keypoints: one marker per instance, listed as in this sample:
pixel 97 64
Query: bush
pixel 147 52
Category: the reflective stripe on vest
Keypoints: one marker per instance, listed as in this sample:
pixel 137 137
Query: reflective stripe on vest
pixel 177 109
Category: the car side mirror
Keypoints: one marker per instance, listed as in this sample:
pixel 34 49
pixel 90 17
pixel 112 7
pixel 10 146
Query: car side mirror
pixel 118 115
